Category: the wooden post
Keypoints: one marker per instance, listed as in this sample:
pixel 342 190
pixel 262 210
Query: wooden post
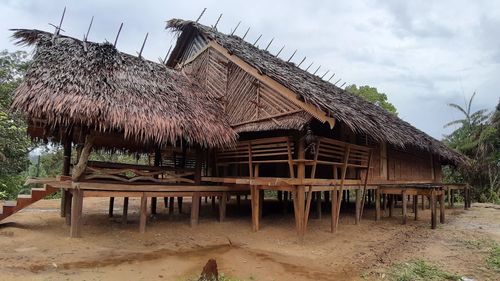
pixel 318 204
pixel 66 194
pixel 76 214
pixel 222 206
pixel 171 206
pixel 300 191
pixel 441 208
pixel 125 210
pixel 405 206
pixel 433 209
pixel 153 205
pixel 179 204
pixel 391 205
pixel 144 214
pixel 195 209
pixel 68 201
pixel 358 206
pixel 111 206
pixel 255 207
pixel 415 206
pixel 80 167
pixel 280 195
pixel 423 202
pixel 377 204
pixel 333 227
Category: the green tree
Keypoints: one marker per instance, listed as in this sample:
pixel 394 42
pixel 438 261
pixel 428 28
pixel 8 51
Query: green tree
pixel 14 143
pixel 372 95
pixel 477 137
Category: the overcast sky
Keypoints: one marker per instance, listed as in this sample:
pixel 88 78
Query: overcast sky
pixel 422 55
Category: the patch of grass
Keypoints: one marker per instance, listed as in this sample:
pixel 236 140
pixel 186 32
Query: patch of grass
pixel 419 270
pixel 493 259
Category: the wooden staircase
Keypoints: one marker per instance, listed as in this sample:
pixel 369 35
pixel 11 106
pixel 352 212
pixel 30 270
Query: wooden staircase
pixel 24 200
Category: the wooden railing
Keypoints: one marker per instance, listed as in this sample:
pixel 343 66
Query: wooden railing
pixel 131 173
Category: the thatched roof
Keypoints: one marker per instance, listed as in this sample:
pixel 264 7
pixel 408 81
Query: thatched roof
pixel 105 90
pixel 359 115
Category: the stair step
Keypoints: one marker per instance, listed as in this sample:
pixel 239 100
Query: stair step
pixel 38 189
pixel 10 203
pixel 24 196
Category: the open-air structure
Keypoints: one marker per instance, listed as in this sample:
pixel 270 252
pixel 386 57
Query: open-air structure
pixel 220 118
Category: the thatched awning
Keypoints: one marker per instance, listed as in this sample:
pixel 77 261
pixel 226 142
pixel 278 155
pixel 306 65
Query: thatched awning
pixel 107 91
pixel 359 115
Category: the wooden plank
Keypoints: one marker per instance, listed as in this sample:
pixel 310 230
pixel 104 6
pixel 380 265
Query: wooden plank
pixel 143 214
pixel 76 214
pixel 195 209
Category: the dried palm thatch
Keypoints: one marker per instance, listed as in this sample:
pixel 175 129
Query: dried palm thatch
pixel 359 115
pixel 102 89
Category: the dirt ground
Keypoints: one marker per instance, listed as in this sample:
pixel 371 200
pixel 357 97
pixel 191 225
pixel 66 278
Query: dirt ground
pixel 35 244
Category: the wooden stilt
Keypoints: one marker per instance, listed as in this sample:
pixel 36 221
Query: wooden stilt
pixel 179 204
pixel 377 204
pixel 171 206
pixel 143 214
pixel 441 208
pixel 391 205
pixel 423 202
pixel 213 203
pixel 195 209
pixel 222 206
pixel 125 210
pixel 280 195
pixel 415 206
pixel 255 207
pixel 301 212
pixel 405 206
pixel 153 205
pixel 358 206
pixel 261 202
pixel 433 210
pixel 111 206
pixel 76 214
pixel 385 199
pixel 307 208
pixel 333 227
pixel 67 206
pixel 165 202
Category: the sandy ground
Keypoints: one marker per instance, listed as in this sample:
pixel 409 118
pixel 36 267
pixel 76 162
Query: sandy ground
pixel 35 245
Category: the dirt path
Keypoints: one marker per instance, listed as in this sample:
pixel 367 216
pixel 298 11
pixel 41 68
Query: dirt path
pixel 35 245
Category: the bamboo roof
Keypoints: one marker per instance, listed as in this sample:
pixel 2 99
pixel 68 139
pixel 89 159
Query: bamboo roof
pixel 97 87
pixel 359 115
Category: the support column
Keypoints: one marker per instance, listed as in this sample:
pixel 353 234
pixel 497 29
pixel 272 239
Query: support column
pixel 179 204
pixel 143 214
pixel 318 204
pixel 391 204
pixel 76 214
pixel 125 210
pixel 358 206
pixel 111 206
pixel 405 206
pixel 300 217
pixel 255 198
pixel 66 194
pixel 153 205
pixel 195 209
pixel 377 204
pixel 222 206
pixel 433 209
pixel 441 208
pixel 415 206
pixel 335 195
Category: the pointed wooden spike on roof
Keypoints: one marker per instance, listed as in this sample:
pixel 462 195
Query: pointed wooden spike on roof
pixel 258 38
pixel 58 28
pixel 331 77
pixel 301 61
pixel 85 38
pixel 343 84
pixel 291 57
pixel 337 81
pixel 201 15
pixel 143 43
pixel 267 47
pixel 118 34
pixel 217 22
pixel 234 30
pixel 168 53
pixel 325 74
pixel 245 35
pixel 279 52
pixel 317 70
pixel 309 66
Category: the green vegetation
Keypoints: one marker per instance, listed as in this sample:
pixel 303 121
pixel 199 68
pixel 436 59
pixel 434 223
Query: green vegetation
pixel 372 95
pixel 419 270
pixel 478 137
pixel 493 259
pixel 14 143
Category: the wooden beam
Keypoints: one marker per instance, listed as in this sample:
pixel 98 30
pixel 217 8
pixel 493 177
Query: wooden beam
pixel 290 95
pixel 195 209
